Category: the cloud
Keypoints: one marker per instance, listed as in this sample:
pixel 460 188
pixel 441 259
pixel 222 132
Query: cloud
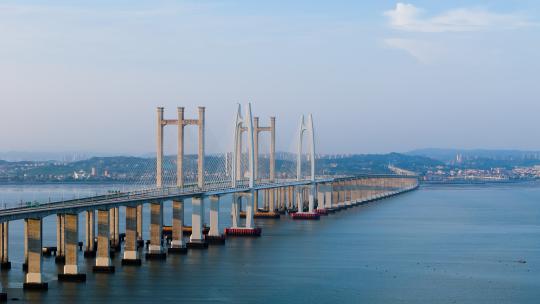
pixel 407 17
pixel 425 52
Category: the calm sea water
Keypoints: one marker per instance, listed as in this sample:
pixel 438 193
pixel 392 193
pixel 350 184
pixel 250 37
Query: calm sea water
pixel 440 244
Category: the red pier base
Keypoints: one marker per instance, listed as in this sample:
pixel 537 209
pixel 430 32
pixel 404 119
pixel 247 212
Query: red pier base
pixel 243 231
pixel 321 211
pixel 305 216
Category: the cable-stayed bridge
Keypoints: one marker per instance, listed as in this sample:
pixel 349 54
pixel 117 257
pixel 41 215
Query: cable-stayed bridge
pixel 260 189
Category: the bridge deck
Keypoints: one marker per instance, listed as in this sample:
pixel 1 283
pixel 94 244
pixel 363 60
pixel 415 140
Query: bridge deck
pixel 158 194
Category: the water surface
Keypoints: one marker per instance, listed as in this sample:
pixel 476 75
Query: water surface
pixel 440 244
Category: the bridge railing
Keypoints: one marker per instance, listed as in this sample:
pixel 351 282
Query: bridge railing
pixel 188 189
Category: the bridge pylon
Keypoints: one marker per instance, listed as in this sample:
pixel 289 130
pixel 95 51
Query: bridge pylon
pixel 242 124
pixel 181 123
pixel 312 188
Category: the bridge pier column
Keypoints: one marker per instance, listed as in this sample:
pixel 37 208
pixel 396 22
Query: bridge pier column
pixel 290 197
pixel 321 190
pixel 103 260
pixel 60 239
pixel 356 192
pixel 177 242
pixel 33 279
pixel 311 198
pixel 155 249
pixel 214 237
pixel 196 240
pixel 365 193
pixel 348 193
pixel 140 241
pixel 352 189
pixel 281 200
pixel 271 200
pixel 249 211
pixel 337 195
pixel 25 263
pixel 300 200
pixel 360 190
pixel 131 254
pixel 214 216
pixel 235 210
pixel 71 244
pixel 256 200
pixel 342 198
pixel 4 246
pixel 249 229
pixel 303 193
pixel 328 196
pixel 114 228
pixel 278 199
pixel 90 234
pixel 265 199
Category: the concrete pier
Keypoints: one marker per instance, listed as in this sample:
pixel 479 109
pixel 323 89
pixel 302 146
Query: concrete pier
pixel 301 193
pixel 131 254
pixel 290 197
pixel 235 210
pixel 281 200
pixel 90 250
pixel 271 200
pixel 155 249
pixel 196 240
pixel 114 228
pixel 140 240
pixel 25 262
pixel 33 279
pixel 256 200
pixel 249 229
pixel 4 246
pixel 60 236
pixel 321 197
pixel 71 244
pixel 213 236
pixel 177 242
pixel 328 198
pixel 311 198
pixel 103 259
pixel 249 210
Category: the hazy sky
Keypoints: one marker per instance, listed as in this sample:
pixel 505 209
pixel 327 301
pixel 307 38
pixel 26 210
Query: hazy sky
pixel 378 76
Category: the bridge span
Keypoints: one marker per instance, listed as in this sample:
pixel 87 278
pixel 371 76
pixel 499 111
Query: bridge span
pixel 302 197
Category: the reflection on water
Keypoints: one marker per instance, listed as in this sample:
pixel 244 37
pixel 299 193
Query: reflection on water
pixel 437 245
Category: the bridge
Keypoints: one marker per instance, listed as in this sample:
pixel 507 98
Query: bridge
pixel 299 193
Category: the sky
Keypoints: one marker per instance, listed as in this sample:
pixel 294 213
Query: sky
pixel 378 76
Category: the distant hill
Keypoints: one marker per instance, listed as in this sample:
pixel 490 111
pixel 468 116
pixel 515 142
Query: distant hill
pixel 142 170
pixel 375 163
pixel 449 155
pixel 15 156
